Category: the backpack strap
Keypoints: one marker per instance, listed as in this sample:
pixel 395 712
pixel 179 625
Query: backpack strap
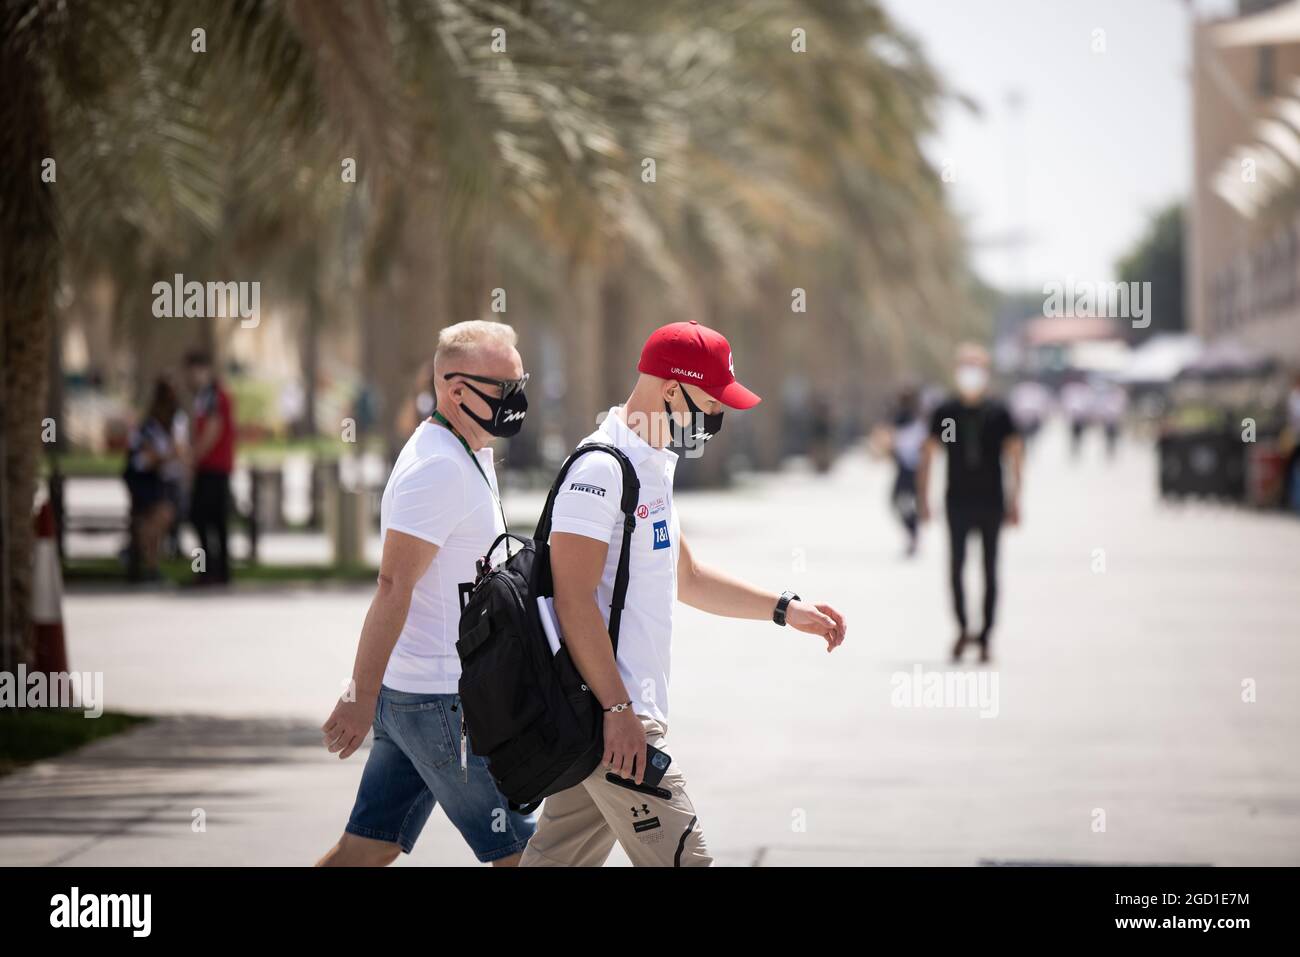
pixel 631 492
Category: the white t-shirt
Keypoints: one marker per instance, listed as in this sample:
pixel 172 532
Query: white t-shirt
pixel 588 505
pixel 436 494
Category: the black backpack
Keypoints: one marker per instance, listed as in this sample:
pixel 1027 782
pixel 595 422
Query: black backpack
pixel 528 712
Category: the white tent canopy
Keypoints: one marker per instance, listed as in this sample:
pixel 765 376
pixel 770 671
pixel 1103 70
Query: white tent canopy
pixel 1161 358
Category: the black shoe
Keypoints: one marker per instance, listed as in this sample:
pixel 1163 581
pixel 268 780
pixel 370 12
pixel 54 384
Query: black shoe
pixel 984 648
pixel 960 646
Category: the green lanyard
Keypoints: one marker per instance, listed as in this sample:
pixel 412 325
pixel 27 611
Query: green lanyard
pixel 442 420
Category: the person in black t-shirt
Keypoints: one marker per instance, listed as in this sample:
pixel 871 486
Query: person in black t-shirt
pixel 977 431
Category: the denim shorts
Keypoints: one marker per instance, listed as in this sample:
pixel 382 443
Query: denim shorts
pixel 414 764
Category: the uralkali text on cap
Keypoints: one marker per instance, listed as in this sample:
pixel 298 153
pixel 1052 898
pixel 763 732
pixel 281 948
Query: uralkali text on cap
pixel 695 354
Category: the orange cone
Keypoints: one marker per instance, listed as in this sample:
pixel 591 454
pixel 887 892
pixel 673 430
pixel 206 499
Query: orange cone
pixel 47 597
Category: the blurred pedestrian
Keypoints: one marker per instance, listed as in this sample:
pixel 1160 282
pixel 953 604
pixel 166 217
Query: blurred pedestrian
pixel 151 460
pixel 1076 404
pixel 177 475
pixel 978 432
pixel 1030 401
pixel 420 402
pixel 906 439
pixel 821 434
pixel 1109 403
pixel 213 454
pixel 363 409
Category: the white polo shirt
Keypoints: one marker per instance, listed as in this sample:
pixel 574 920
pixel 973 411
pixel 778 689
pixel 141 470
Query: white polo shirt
pixel 588 505
pixel 436 494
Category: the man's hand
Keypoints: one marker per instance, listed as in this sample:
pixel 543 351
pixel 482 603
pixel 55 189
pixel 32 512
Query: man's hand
pixel 922 510
pixel 1012 516
pixel 346 727
pixel 625 744
pixel 404 560
pixel 820 620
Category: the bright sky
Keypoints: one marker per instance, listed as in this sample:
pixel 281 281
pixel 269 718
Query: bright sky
pixel 1101 141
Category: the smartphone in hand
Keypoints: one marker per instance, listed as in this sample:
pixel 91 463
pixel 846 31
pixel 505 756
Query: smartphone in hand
pixel 656 764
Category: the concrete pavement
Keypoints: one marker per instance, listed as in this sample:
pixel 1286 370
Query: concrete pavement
pixel 1128 630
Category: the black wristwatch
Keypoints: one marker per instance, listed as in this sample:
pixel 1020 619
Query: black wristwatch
pixel 782 604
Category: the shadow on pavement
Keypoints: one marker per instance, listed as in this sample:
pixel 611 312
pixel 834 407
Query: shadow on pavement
pixel 149 777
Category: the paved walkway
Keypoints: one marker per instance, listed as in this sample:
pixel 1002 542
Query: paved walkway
pixel 1119 696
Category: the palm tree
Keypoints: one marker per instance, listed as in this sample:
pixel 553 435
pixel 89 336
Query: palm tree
pixel 27 257
pixel 802 170
pixel 143 127
pixel 776 169
pixel 131 113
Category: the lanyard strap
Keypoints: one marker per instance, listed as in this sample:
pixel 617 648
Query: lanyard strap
pixel 442 420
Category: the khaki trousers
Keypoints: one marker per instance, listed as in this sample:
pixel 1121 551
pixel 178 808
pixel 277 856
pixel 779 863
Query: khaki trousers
pixel 578 826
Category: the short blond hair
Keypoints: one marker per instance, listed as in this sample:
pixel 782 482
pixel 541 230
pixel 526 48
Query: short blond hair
pixel 459 340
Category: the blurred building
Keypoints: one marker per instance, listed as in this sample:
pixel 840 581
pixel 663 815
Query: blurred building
pixel 1243 234
pixel 1057 346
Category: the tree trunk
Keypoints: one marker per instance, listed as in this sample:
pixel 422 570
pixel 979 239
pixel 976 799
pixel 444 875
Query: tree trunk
pixel 54 381
pixel 584 352
pixel 466 253
pixel 28 266
pixel 310 355
pixel 622 345
pixel 412 308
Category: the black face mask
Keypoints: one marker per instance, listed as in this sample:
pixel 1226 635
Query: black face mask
pixel 507 412
pixel 703 427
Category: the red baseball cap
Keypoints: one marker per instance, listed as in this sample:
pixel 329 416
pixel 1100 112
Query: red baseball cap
pixel 690 352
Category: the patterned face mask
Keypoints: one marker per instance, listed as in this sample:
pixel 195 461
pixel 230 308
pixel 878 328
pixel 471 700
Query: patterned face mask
pixel 508 411
pixel 703 427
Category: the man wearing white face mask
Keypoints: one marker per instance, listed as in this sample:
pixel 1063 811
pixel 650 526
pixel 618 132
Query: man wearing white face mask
pixel 978 432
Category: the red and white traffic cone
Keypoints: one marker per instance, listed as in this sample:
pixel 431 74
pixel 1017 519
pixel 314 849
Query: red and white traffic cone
pixel 47 597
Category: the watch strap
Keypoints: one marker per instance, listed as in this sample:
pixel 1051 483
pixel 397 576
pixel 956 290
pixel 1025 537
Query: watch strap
pixel 782 604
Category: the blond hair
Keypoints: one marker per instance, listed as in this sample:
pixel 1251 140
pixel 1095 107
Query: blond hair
pixel 463 338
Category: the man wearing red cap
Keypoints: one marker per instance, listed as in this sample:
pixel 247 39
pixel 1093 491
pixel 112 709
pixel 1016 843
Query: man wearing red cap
pixel 687 377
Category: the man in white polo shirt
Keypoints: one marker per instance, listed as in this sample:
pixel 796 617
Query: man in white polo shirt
pixel 686 378
pixel 440 512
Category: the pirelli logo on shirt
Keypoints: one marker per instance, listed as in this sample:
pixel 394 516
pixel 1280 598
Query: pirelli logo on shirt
pixel 584 487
